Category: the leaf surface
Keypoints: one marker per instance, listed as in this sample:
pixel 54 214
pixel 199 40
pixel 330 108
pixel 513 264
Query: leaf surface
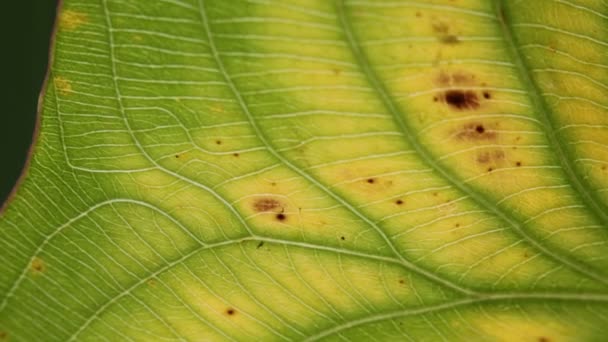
pixel 316 170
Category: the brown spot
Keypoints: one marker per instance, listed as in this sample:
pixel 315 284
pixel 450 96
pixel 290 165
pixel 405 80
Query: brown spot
pixel 281 217
pixel 486 95
pixel 457 225
pixel 218 142
pixel 518 164
pixel 230 312
pixel 442 30
pixel 273 184
pixel 177 156
pixel 543 339
pixel 266 204
pixel 3 336
pixel 337 71
pixel 476 132
pixel 399 202
pixel 461 99
pixel 235 154
pixel 418 15
pixel 38 266
pixel 152 283
pixel 401 281
pixel 490 169
pixel 449 39
pixel 487 156
pixel 260 245
pixel 371 180
pixel 342 238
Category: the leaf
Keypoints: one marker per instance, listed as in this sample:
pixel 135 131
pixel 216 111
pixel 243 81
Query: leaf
pixel 305 170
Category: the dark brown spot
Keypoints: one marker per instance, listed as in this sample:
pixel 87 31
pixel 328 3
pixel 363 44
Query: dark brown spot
pixel 457 225
pixel 518 164
pixel 435 99
pixel 399 202
pixel 281 217
pixel 342 238
pixel 490 169
pixel 461 99
pixel 480 129
pixel 218 142
pixel 401 281
pixel 371 180
pixel 230 311
pixel 260 245
pixel 486 95
pixel 543 339
pixel 235 154
pixel 266 204
pixel 177 156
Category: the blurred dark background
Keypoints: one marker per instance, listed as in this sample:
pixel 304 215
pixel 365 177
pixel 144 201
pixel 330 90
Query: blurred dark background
pixel 27 28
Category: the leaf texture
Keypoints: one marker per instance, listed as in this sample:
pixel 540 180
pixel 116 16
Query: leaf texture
pixel 316 170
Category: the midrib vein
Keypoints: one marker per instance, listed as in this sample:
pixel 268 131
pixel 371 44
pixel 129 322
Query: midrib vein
pixel 262 136
pixel 427 157
pixel 589 198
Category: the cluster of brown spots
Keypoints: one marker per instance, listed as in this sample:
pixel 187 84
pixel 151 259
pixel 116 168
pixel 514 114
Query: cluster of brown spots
pixel 476 132
pixel 230 312
pixel 459 96
pixel 38 266
pixel 266 204
pixel 490 156
pixel 442 30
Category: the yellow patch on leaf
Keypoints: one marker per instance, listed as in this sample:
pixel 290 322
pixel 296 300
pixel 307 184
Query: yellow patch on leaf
pixel 71 20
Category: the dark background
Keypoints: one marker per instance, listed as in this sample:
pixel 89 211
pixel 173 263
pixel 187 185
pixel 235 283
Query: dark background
pixel 26 29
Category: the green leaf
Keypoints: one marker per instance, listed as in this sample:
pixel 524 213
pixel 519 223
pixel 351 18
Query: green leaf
pixel 314 169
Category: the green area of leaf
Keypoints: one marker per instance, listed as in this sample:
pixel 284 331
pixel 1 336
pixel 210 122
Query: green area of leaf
pixel 316 170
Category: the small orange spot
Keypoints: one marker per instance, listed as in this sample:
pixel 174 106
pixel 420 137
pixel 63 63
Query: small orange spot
pixel 63 85
pixel 71 20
